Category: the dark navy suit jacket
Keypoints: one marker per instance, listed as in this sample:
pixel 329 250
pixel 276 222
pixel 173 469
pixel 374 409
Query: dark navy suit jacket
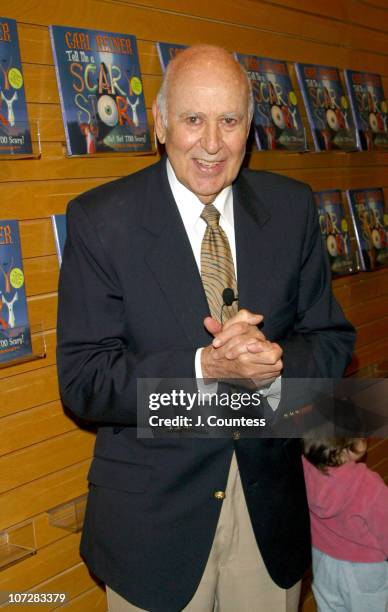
pixel 131 305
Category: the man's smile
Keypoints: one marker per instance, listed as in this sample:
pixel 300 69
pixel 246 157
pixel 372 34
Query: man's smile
pixel 209 167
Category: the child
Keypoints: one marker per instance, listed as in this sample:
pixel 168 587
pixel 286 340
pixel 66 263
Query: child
pixel 349 526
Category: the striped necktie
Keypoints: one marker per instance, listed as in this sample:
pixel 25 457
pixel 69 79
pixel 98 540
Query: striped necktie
pixel 217 268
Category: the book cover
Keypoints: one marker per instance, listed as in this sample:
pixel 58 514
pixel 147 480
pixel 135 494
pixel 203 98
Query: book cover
pixel 15 134
pixel 369 108
pixel 15 338
pixel 327 107
pixel 277 120
pixel 335 231
pixel 370 220
pixel 101 91
pixel 59 227
pixel 167 51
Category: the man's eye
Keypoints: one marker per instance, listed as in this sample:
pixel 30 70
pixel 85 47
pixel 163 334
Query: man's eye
pixel 193 120
pixel 230 121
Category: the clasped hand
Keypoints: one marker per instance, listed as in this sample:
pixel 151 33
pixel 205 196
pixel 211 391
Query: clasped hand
pixel 241 351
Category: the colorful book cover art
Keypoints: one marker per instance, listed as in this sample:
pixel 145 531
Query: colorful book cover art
pixel 15 338
pixel 370 220
pixel 335 231
pixel 327 107
pixel 15 134
pixel 167 51
pixel 370 109
pixel 277 120
pixel 59 227
pixel 101 91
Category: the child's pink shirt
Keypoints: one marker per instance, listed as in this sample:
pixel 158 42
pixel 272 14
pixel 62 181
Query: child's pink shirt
pixel 348 512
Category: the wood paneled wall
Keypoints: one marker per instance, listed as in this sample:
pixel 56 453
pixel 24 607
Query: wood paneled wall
pixel 45 455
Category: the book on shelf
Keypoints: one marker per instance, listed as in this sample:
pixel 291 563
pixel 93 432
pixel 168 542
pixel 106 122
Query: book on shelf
pixel 100 90
pixel 370 220
pixel 15 133
pixel 369 108
pixel 15 336
pixel 277 120
pixel 167 51
pixel 59 228
pixel 335 232
pixel 327 107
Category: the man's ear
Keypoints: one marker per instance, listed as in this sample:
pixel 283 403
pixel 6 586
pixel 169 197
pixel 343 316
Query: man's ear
pixel 249 127
pixel 160 128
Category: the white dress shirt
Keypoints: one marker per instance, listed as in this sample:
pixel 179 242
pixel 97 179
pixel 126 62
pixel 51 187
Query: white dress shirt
pixel 190 209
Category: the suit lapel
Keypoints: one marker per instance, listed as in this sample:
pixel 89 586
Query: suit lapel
pixel 254 253
pixel 172 261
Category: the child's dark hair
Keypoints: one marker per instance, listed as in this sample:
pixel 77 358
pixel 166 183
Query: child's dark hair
pixel 326 452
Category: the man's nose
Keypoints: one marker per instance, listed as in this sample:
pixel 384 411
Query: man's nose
pixel 211 138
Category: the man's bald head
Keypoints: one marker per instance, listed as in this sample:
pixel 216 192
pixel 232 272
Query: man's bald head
pixel 199 57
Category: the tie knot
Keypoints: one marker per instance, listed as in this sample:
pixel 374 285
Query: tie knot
pixel 210 215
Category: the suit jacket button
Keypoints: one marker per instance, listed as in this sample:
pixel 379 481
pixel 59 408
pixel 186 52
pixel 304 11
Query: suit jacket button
pixel 236 435
pixel 219 495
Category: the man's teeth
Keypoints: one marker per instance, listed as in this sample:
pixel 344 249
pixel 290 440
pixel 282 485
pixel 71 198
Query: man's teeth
pixel 209 164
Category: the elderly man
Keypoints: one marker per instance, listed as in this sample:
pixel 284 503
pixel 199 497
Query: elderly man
pixel 184 523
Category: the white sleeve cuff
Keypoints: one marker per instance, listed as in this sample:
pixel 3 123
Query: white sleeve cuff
pixel 273 393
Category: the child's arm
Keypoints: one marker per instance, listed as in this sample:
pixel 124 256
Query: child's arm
pixel 377 518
